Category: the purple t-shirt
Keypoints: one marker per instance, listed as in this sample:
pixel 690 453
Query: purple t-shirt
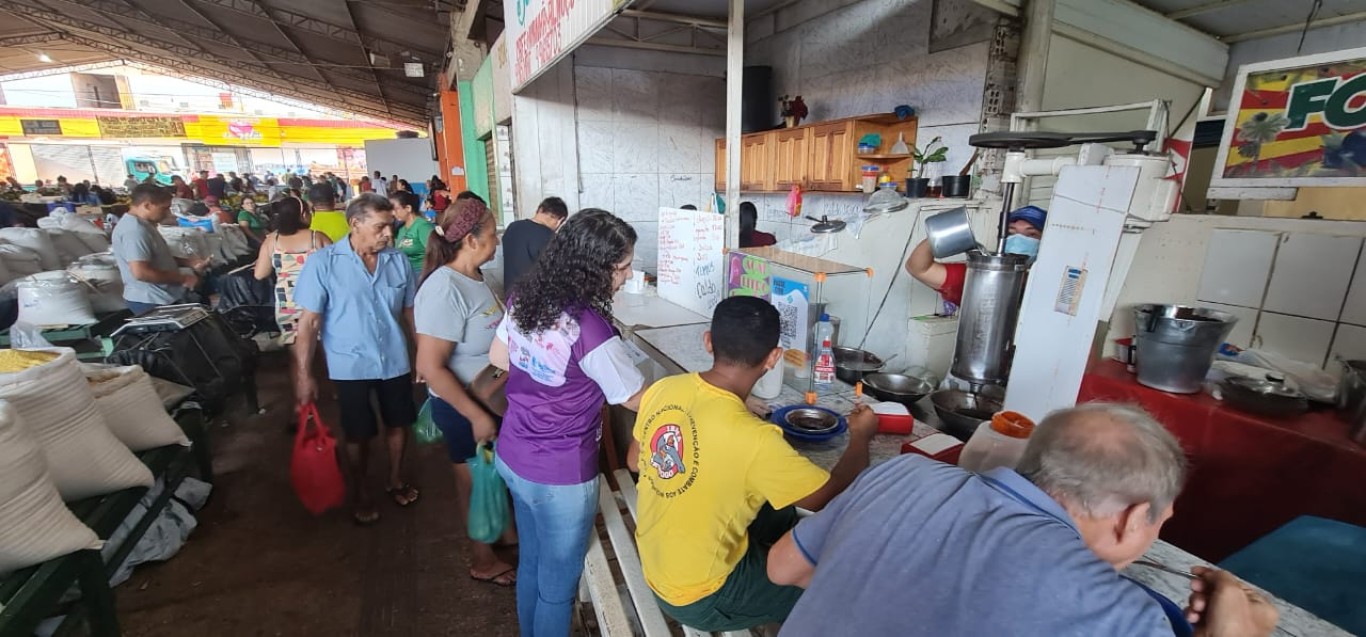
pixel 556 388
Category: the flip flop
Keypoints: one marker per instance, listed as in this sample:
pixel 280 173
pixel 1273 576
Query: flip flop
pixel 404 495
pixel 495 579
pixel 365 520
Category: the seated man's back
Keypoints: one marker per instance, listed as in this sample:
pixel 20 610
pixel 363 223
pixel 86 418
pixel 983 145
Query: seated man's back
pixel 707 467
pixel 918 547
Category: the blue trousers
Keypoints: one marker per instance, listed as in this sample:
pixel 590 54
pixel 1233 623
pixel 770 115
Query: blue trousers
pixel 553 526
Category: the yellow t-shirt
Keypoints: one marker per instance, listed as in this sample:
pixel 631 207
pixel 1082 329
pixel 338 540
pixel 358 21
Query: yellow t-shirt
pixel 707 465
pixel 331 223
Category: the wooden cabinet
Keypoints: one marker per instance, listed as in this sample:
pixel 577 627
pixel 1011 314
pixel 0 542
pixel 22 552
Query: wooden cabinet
pixel 756 162
pixel 721 165
pixel 832 157
pixel 820 157
pixel 791 157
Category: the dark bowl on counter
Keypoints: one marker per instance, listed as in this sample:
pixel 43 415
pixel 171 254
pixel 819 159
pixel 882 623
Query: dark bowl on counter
pixel 1266 398
pixel 852 364
pixel 897 388
pixel 963 411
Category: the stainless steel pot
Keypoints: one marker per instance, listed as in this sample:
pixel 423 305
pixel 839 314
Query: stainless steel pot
pixel 1352 398
pixel 949 233
pixel 1176 344
pixel 992 293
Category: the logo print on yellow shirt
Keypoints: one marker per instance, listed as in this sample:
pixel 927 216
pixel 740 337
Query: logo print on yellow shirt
pixel 666 451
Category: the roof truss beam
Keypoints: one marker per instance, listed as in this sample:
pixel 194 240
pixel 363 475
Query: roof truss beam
pixel 30 38
pixel 327 29
pixel 117 8
pixel 192 55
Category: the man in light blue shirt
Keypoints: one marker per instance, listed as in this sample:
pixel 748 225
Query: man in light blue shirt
pixel 151 274
pixel 356 297
pixel 918 547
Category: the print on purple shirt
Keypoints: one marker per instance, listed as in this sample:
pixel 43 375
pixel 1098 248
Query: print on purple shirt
pixel 555 395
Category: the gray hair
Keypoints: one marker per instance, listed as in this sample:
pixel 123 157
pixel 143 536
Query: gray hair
pixel 1103 457
pixel 366 203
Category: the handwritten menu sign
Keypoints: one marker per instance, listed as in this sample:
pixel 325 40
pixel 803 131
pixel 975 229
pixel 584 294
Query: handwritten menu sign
pixel 691 258
pixel 135 127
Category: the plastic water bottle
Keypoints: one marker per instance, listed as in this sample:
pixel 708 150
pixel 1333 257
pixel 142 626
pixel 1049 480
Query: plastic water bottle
pixel 825 353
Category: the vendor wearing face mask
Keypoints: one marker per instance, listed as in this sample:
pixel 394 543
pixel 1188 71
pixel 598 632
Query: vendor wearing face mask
pixel 1024 230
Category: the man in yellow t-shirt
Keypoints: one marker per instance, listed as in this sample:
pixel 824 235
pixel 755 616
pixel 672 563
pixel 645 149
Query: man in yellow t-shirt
pixel 718 485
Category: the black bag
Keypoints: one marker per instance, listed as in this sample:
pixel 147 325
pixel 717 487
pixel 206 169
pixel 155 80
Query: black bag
pixel 247 305
pixel 206 355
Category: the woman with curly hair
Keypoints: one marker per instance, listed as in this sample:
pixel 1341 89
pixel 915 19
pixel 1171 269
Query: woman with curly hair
pixel 564 359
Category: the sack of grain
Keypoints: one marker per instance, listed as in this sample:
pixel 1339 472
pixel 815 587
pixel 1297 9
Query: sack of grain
pixel 130 406
pixel 38 527
pixel 54 299
pixel 47 387
pixel 36 240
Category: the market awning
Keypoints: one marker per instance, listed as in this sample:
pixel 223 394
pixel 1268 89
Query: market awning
pixel 377 58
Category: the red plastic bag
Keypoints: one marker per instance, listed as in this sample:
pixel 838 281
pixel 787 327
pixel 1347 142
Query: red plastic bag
pixel 313 468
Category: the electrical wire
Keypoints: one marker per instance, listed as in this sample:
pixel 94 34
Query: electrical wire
pixel 900 267
pixel 1308 21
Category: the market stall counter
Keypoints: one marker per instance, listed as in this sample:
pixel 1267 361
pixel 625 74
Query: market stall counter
pixel 678 350
pixel 1249 474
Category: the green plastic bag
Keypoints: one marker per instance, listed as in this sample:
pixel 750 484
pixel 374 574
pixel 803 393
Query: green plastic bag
pixel 488 498
pixel 425 430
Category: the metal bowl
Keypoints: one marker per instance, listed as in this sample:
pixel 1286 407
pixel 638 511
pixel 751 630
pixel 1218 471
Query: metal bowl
pixel 897 388
pixel 963 411
pixel 810 420
pixel 1263 397
pixel 851 364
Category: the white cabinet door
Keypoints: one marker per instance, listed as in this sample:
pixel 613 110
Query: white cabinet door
pixel 1355 310
pixel 1237 264
pixel 1302 339
pixel 1311 275
pixel 1350 343
pixel 1243 329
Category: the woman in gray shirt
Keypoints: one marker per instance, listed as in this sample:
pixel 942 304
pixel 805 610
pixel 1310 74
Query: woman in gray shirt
pixel 456 315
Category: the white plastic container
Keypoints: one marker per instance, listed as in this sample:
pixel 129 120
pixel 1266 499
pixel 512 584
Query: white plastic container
pixel 771 383
pixel 999 442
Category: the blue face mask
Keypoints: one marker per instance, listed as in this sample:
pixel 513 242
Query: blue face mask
pixel 1020 244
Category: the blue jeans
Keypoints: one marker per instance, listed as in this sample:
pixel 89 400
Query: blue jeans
pixel 139 308
pixel 553 526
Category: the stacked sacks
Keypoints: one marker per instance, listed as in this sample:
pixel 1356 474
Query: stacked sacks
pixel 135 414
pixel 100 272
pixel 36 240
pixel 37 525
pixel 53 299
pixel 19 261
pixel 83 456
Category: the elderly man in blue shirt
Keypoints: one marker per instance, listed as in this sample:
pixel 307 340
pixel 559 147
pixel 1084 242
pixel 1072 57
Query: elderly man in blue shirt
pixel 918 547
pixel 356 298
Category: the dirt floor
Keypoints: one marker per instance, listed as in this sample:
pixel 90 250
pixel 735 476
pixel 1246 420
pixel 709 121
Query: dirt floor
pixel 260 565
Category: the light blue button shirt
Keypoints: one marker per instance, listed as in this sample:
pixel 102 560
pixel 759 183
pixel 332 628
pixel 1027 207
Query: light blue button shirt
pixel 362 313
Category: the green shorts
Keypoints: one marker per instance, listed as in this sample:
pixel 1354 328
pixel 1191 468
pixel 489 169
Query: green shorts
pixel 747 599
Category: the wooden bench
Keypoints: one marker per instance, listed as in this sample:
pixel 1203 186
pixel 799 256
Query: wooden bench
pixel 599 585
pixel 31 595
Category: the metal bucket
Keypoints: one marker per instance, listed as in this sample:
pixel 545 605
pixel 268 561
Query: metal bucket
pixel 949 233
pixel 1352 398
pixel 1176 344
pixel 992 293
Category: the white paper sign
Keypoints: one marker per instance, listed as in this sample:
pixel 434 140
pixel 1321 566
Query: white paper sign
pixel 691 258
pixel 540 32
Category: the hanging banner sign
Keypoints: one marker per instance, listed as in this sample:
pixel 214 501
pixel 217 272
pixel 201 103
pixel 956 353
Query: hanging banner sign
pixel 540 32
pixel 1296 122
pixel 41 126
pixel 137 127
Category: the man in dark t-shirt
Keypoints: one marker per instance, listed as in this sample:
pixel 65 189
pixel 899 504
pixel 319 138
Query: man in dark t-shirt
pixel 524 239
pixel 218 187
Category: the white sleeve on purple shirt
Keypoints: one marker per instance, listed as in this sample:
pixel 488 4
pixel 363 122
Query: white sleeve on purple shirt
pixel 611 367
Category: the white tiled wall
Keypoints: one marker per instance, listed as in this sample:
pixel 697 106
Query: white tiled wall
pixel 1297 294
pixel 646 140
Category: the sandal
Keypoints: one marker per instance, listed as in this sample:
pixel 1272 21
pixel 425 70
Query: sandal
pixel 504 579
pixel 365 517
pixel 404 495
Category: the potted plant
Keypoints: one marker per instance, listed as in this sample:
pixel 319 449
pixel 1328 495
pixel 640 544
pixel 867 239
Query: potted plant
pixel 927 159
pixel 794 111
